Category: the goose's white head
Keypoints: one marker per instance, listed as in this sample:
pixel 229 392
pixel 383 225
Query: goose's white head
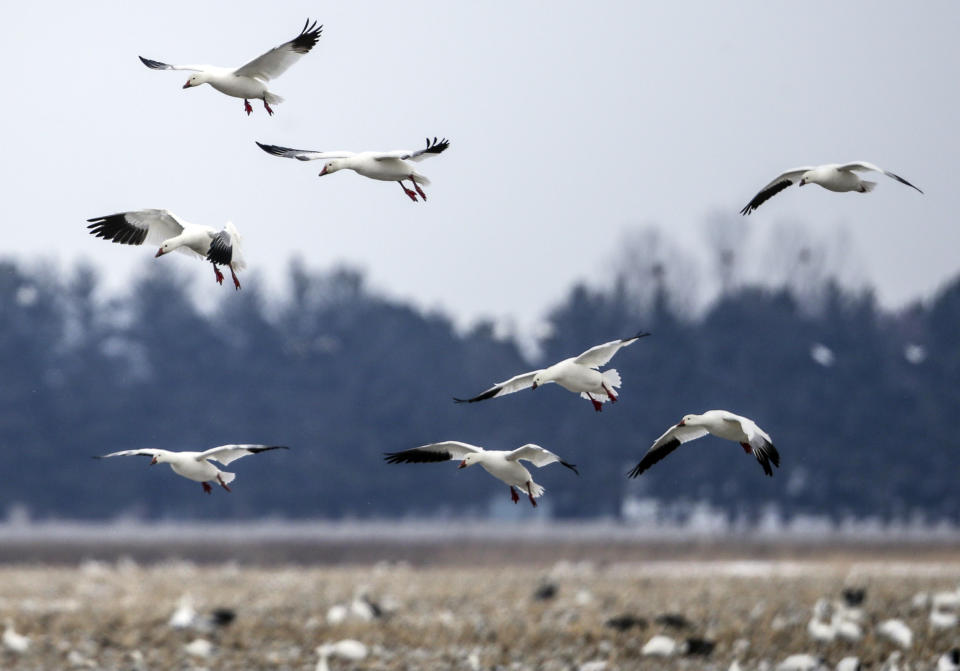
pixel 540 378
pixel 469 460
pixel 165 248
pixel 806 178
pixel 196 79
pixel 158 459
pixel 331 166
pixel 689 420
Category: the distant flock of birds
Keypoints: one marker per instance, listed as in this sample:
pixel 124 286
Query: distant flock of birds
pixel 580 374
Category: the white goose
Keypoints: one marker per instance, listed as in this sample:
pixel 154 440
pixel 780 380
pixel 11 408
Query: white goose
pixel 501 464
pixel 386 166
pixel 578 374
pixel 250 80
pixel 720 423
pixel 196 466
pixel 832 176
pixel 134 228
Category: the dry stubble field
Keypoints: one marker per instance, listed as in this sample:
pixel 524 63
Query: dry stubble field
pixel 469 614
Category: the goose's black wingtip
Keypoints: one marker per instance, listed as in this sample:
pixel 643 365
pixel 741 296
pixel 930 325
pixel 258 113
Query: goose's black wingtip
pixel 635 471
pixel 572 467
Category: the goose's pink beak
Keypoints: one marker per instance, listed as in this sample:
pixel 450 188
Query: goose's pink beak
pixel 187 85
pixel 159 252
pixel 463 464
pixel 153 461
pixel 534 385
pixel 323 172
pixel 683 422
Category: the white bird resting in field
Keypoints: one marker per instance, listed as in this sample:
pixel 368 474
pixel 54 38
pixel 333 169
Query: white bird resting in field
pixel 348 649
pixel 196 466
pixel 174 234
pixel 720 423
pixel 501 464
pixel 250 81
pixel 579 374
pixel 832 176
pixel 896 631
pixel 659 646
pixel 13 641
pixel 949 661
pixel 386 166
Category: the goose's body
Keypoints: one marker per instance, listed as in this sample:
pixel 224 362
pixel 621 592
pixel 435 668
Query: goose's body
pixel 838 177
pixel 385 166
pixel 249 81
pixel 720 423
pixel 501 464
pixel 222 247
pixel 196 466
pixel 579 374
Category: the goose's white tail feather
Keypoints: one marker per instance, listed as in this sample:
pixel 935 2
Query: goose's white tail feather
pixel 611 378
pixel 272 98
pixel 866 187
pixel 236 240
pixel 421 179
pixel 227 477
pixel 535 489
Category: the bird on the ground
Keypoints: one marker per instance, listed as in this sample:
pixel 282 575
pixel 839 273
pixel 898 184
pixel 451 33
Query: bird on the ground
pixel 385 166
pixel 579 374
pixel 501 464
pixel 833 177
pixel 196 466
pixel 174 234
pixel 721 423
pixel 250 81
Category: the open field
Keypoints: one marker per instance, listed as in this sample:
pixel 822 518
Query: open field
pixel 470 612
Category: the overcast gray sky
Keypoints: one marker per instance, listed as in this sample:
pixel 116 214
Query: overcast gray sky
pixel 569 122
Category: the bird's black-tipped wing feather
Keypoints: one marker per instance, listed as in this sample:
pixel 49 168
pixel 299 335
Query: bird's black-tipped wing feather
pixel 444 451
pixel 221 249
pixel 117 228
pixel 765 195
pixel 654 455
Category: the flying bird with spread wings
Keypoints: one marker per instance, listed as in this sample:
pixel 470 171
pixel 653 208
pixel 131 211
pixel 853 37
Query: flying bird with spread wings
pixel 250 81
pixel 579 374
pixel 385 166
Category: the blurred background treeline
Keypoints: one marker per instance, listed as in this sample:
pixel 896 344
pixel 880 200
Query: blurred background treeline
pixel 859 400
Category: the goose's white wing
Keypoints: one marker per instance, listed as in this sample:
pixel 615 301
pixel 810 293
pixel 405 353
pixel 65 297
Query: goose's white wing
pixel 601 354
pixel 538 456
pixel 227 453
pixel 863 165
pixel 776 185
pixel 672 439
pixel 134 453
pixel 433 148
pixel 135 228
pixel 157 65
pixel 276 61
pixel 445 451
pixel 515 383
pixel 303 154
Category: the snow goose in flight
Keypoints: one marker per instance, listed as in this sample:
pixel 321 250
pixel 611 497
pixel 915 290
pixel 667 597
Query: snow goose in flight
pixel 501 464
pixel 386 166
pixel 833 177
pixel 196 466
pixel 578 374
pixel 720 423
pixel 250 80
pixel 133 228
